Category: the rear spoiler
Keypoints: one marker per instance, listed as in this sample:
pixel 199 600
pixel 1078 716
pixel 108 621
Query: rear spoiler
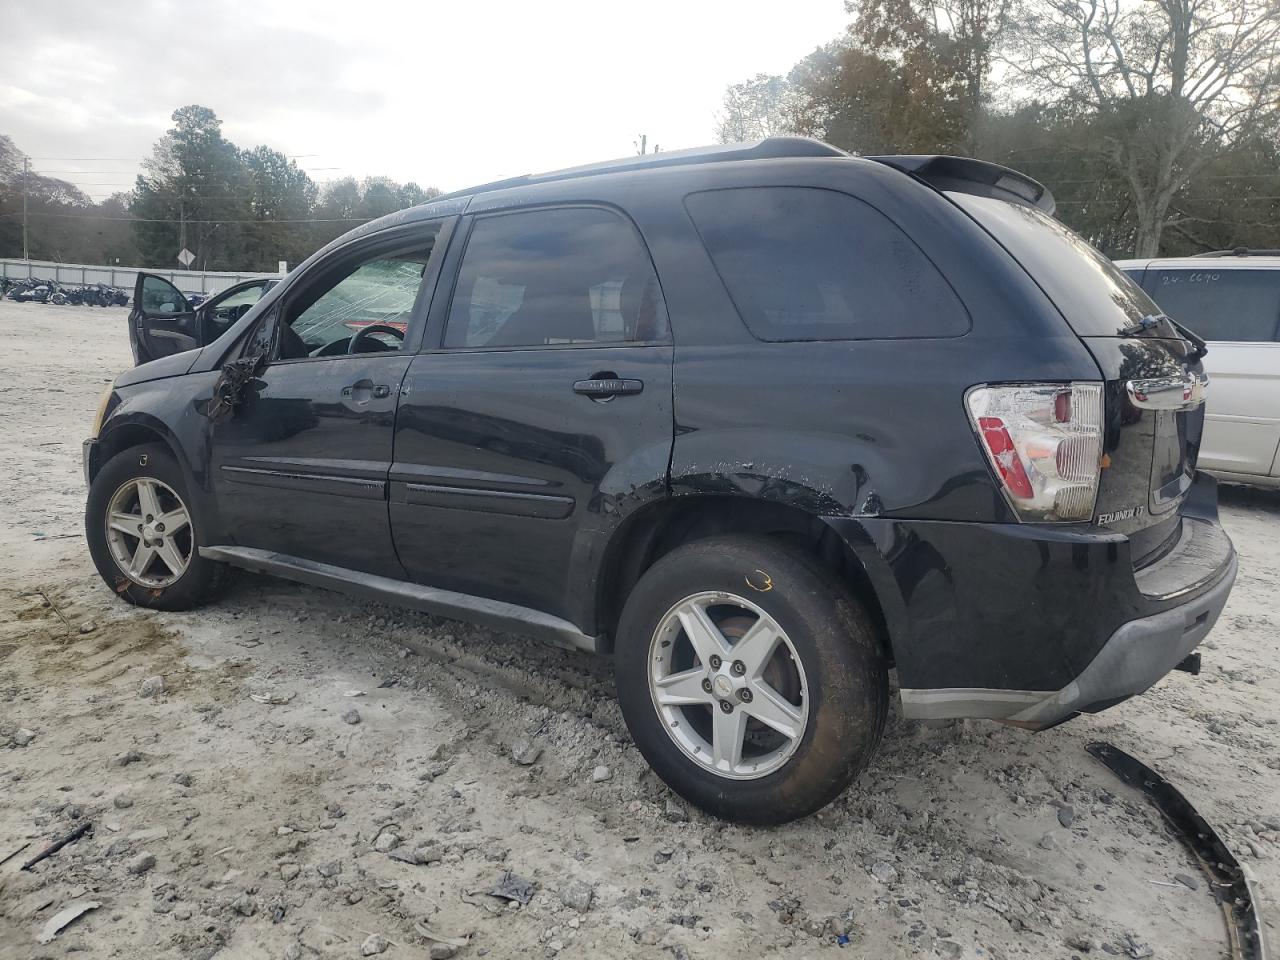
pixel 977 177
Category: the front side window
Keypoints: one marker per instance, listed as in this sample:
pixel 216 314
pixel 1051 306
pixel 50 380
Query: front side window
pixel 1230 304
pixel 226 312
pixel 809 264
pixel 162 298
pixel 375 295
pixel 555 277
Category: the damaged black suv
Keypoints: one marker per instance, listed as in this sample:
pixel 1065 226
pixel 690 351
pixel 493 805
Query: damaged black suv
pixel 761 421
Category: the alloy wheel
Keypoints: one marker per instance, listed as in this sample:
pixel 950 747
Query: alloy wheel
pixel 149 532
pixel 728 685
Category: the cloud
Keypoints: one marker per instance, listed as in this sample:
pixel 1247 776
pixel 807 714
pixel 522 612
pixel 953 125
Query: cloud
pixel 446 95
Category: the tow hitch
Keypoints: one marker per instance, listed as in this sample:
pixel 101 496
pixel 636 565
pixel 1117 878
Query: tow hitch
pixel 1228 882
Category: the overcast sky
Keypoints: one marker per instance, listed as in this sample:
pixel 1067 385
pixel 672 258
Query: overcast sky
pixel 447 95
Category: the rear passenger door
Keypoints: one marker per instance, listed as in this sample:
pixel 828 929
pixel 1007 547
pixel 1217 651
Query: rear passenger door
pixel 1238 311
pixel 541 416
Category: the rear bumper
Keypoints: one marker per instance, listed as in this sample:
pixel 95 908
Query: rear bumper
pixel 1034 623
pixel 1132 660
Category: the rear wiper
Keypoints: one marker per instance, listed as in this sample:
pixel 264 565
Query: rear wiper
pixel 1200 348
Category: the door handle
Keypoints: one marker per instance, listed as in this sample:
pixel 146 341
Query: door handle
pixel 606 387
pixel 362 390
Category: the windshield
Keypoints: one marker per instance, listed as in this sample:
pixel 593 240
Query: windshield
pixel 1097 298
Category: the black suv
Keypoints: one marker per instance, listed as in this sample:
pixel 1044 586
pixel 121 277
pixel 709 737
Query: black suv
pixel 762 421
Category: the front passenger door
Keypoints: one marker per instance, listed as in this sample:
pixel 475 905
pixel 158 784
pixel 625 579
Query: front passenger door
pixel 300 465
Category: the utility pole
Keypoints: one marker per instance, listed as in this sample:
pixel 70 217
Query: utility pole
pixel 26 174
pixel 642 144
pixel 182 224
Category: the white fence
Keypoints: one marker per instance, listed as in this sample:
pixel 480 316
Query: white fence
pixel 79 274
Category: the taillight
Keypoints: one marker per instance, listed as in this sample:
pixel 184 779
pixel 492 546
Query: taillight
pixel 1044 442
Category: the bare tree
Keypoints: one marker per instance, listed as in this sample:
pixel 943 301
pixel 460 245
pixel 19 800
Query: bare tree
pixel 1170 84
pixel 754 109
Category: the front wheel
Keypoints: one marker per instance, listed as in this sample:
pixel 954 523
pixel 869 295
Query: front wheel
pixel 144 536
pixel 750 678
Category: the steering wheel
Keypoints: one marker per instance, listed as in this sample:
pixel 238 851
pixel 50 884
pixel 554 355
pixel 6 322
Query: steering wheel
pixel 358 337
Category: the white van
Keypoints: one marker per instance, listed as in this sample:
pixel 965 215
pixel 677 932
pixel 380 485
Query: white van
pixel 1232 300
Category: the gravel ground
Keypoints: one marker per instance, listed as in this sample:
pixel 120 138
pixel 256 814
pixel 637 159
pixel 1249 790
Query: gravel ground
pixel 313 776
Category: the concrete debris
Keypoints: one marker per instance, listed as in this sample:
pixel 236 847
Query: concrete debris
pixel 352 716
pixel 884 871
pixel 674 812
pixel 151 687
pixel 21 737
pixel 142 863
pixel 600 774
pixel 386 841
pixel 578 896
pixel 526 752
pixel 373 945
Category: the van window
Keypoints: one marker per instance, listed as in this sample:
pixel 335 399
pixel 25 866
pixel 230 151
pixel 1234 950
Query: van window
pixel 1220 304
pixel 1095 295
pixel 555 277
pixel 810 264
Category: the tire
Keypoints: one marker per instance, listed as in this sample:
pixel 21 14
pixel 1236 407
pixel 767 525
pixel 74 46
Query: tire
pixel 829 662
pixel 152 466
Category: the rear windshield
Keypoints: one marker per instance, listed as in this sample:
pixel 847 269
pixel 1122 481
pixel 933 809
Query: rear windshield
pixel 1221 304
pixel 1095 296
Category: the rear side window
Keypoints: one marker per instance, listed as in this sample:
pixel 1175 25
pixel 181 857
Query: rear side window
pixel 555 277
pixel 1241 305
pixel 810 264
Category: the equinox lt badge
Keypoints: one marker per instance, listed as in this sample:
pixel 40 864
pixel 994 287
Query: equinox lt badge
pixel 1127 514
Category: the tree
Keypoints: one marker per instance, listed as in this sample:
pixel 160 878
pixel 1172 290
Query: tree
pixel 280 195
pixel 1169 86
pixel 755 109
pixel 945 44
pixel 194 189
pixel 866 103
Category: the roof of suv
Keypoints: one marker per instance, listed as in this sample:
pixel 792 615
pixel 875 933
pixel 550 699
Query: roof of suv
pixel 943 173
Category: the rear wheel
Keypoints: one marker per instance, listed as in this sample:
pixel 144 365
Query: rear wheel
pixel 143 535
pixel 750 678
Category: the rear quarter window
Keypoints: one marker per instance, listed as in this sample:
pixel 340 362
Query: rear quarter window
pixel 811 264
pixel 1222 305
pixel 1095 296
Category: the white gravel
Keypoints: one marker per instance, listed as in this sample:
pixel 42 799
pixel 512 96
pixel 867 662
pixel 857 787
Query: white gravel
pixel 258 818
